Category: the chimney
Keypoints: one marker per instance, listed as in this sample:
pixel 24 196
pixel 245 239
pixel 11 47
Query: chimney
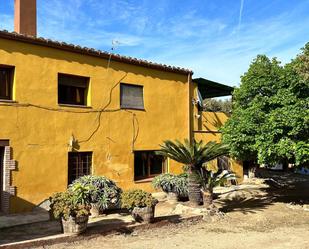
pixel 25 17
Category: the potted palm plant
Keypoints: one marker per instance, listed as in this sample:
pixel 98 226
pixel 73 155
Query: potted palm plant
pixel 72 208
pixel 173 185
pixel 140 203
pixel 210 180
pixel 193 155
pixel 103 193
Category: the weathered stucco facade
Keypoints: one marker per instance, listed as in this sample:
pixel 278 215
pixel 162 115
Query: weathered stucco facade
pixel 38 131
pixel 206 127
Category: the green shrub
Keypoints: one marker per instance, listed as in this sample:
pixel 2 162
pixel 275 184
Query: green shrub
pixel 68 203
pixel 172 183
pixel 137 198
pixel 102 191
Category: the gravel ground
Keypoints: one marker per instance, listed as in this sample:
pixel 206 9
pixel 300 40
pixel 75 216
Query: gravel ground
pixel 276 226
pixel 255 217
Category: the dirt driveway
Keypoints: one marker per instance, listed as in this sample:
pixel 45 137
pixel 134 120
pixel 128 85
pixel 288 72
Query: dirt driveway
pixel 266 220
pixel 277 226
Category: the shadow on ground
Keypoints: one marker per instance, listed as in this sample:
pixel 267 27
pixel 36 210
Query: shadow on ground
pixel 29 231
pixel 284 187
pixel 104 226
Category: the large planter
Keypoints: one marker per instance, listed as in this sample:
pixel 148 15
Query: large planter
pixel 144 214
pixel 207 198
pixel 74 225
pixel 194 189
pixel 194 193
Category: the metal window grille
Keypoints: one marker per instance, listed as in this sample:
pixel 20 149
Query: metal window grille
pixel 79 165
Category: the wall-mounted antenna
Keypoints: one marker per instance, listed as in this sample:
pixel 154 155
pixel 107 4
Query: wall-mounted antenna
pixel 115 43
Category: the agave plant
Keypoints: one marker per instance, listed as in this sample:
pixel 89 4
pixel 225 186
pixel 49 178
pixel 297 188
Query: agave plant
pixel 102 191
pixel 193 155
pixel 171 183
pixel 209 180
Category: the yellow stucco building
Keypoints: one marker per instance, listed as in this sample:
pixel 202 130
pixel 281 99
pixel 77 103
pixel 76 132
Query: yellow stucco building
pixel 66 111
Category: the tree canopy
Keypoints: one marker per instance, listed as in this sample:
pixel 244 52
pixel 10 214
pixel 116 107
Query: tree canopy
pixel 218 105
pixel 270 118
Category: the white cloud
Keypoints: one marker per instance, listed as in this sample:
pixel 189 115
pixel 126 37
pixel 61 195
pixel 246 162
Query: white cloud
pixel 214 47
pixel 240 12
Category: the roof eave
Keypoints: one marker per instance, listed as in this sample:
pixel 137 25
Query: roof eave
pixel 92 52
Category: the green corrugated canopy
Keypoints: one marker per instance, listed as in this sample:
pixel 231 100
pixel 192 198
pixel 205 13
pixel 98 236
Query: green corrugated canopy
pixel 211 89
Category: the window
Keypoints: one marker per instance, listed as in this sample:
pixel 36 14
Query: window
pixel 147 164
pixel 79 165
pixel 6 82
pixel 131 96
pixel 72 90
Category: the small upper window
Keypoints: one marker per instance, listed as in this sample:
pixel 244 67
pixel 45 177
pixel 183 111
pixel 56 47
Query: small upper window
pixel 72 90
pixel 6 82
pixel 131 96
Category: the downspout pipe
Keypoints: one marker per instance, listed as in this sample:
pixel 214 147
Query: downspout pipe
pixel 190 106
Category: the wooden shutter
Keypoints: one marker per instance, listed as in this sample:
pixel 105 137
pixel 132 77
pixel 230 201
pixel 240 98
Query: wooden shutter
pixel 131 96
pixel 72 80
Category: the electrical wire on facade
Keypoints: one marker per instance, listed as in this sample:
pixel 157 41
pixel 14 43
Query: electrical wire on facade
pixel 135 129
pixel 98 111
pixel 102 110
pixel 98 118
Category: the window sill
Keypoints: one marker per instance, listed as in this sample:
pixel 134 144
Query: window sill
pixel 7 101
pixel 144 180
pixel 134 109
pixel 209 131
pixel 75 106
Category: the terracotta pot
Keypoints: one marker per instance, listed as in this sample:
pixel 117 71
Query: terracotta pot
pixel 144 214
pixel 74 225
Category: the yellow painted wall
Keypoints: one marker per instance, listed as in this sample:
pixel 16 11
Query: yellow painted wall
pixel 206 127
pixel 39 137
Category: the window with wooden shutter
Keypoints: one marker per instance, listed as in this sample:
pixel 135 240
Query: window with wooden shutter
pixel 6 82
pixel 131 96
pixel 72 89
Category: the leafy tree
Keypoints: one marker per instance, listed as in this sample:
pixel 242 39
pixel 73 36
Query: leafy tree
pixel 218 105
pixel 270 119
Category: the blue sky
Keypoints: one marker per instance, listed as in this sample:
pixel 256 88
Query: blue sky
pixel 217 39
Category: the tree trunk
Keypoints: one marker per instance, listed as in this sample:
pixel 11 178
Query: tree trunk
pixel 194 189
